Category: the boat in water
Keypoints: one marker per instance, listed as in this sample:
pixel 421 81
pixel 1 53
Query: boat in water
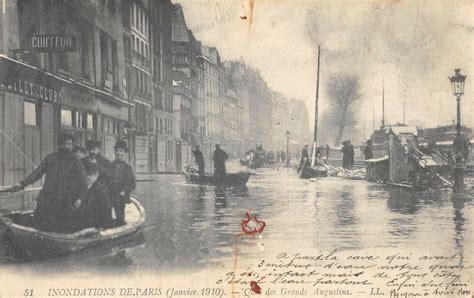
pixel 230 180
pixel 308 172
pixel 40 244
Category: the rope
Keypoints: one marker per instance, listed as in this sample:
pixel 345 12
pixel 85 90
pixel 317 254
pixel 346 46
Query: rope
pixel 18 149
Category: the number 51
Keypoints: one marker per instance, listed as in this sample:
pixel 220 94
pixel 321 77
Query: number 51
pixel 28 293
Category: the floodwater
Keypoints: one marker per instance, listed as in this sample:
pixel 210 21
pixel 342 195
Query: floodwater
pixel 190 226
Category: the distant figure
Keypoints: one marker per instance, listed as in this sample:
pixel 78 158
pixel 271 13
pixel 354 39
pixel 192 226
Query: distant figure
pixel 95 210
pixel 347 155
pixel 282 156
pixel 351 151
pixel 328 150
pixel 122 181
pixel 80 152
pixel 368 150
pixel 63 189
pixel 304 156
pixel 220 157
pixel 198 157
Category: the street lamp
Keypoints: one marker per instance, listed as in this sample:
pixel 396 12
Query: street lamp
pixel 457 82
pixel 287 148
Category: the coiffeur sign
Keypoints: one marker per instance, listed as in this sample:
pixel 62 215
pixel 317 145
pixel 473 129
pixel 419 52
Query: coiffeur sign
pixel 42 42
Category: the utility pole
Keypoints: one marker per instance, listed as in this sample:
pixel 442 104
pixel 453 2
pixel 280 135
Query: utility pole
pixel 383 104
pixel 315 138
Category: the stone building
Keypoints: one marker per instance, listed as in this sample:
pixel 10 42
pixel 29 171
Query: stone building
pixel 61 70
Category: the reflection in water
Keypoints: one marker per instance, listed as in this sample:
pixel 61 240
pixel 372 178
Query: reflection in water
pixel 403 201
pixel 191 226
pixel 459 223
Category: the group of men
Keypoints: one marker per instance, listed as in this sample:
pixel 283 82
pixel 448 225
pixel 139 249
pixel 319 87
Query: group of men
pixel 81 187
pixel 219 157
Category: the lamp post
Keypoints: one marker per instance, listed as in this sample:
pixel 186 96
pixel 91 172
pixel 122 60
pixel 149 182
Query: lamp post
pixel 457 83
pixel 287 148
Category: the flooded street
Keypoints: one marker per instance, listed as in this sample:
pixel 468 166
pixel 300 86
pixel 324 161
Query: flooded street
pixel 190 226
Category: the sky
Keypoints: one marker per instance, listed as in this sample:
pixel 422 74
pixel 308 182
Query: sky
pixel 408 48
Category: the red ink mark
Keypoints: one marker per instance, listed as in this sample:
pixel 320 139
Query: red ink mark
pixel 255 287
pixel 243 17
pixel 252 226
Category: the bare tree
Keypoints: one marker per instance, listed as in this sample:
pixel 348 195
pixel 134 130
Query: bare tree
pixel 343 94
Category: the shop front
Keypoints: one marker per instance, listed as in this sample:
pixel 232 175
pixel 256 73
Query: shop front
pixel 36 106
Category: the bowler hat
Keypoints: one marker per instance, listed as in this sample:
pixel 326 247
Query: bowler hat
pixel 121 145
pixel 92 143
pixel 64 137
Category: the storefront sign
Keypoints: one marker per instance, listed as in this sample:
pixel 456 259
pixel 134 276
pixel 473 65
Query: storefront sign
pixel 31 89
pixel 53 42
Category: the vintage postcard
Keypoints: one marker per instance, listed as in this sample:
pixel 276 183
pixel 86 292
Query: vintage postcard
pixel 236 148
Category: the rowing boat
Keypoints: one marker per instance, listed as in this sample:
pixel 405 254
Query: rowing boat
pixel 238 179
pixel 39 244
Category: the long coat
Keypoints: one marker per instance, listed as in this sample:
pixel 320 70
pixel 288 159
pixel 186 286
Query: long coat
pixel 96 209
pixel 347 156
pixel 121 178
pixel 220 157
pixel 64 184
pixel 65 178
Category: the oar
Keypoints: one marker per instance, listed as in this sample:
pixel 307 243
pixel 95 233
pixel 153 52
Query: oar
pixel 301 169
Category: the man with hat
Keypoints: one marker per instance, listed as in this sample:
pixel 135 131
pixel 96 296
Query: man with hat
pixel 304 157
pixel 121 181
pixel 220 157
pixel 93 147
pixel 63 189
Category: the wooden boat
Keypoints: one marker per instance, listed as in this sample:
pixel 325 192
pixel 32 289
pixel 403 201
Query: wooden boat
pixel 308 172
pixel 238 179
pixel 39 244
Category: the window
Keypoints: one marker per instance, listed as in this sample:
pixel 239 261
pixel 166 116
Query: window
pixel 115 65
pixel 90 121
pixel 66 117
pixel 85 50
pixel 32 113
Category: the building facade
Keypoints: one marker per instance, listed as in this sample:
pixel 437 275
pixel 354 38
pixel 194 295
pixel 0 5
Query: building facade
pixel 75 84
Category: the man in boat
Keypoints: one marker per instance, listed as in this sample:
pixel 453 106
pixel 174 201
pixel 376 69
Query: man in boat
pixel 63 189
pixel 93 148
pixel 368 150
pixel 199 158
pixel 95 210
pixel 304 157
pixel 220 157
pixel 121 181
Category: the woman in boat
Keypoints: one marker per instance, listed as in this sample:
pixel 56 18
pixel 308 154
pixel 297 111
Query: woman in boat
pixel 122 181
pixel 95 210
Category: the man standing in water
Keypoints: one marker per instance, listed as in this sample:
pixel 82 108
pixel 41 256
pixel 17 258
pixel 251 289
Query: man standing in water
pixel 63 189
